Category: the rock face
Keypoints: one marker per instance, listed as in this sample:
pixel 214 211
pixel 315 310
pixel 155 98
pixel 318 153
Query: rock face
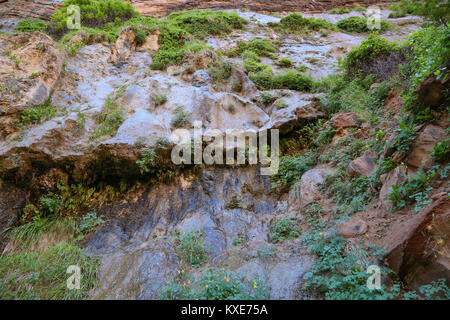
pixel 396 176
pixel 164 7
pixel 30 66
pixel 137 250
pixel 414 244
pixel 364 165
pixel 424 144
pixel 344 120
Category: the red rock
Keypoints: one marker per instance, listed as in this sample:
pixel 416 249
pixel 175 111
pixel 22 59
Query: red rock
pixel 364 165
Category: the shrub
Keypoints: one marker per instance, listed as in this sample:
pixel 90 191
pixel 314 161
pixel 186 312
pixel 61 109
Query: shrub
pixel 94 14
pixel 434 10
pixel 159 99
pixel 340 274
pixel 372 48
pixel 285 63
pixel 293 80
pixel 296 22
pixel 359 24
pixel 30 25
pixel 261 47
pixel 206 22
pixel 192 249
pixel 89 222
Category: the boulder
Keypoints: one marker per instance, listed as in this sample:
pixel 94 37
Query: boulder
pixel 307 189
pixel 395 176
pixel 152 41
pixel 416 247
pixel 353 228
pixel 424 144
pixel 344 120
pixel 431 91
pixel 364 165
pixel 124 46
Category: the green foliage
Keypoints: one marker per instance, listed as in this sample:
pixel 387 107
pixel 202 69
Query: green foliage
pixel 291 79
pixel 296 22
pixel 202 23
pixel 30 25
pixel 346 10
pixel 216 284
pixel 89 222
pixel 260 47
pixel 359 24
pixel 220 72
pixel 94 14
pixel 141 36
pixel 284 229
pixel 351 196
pixel 191 247
pixel 415 189
pixel 341 275
pixel 285 63
pixel 434 10
pixel 32 276
pixel 159 99
pixel 181 117
pixel 38 114
pixel 355 95
pixel 436 290
pixel 110 118
pixel 406 134
pixel 147 159
pixel 371 48
pixel 430 50
pixel 291 169
pixel 441 151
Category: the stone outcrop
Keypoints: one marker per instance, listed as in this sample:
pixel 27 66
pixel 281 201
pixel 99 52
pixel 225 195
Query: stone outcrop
pixel 164 7
pixel 364 165
pixel 394 177
pixel 424 144
pixel 417 250
pixel 307 189
pixel 30 67
pixel 43 9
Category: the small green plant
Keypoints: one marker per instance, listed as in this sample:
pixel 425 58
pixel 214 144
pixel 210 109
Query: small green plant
pixel 191 247
pixel 38 114
pixel 89 222
pixel 181 117
pixel 220 72
pixel 296 22
pixel 284 229
pixel 110 118
pixel 441 151
pixel 291 169
pixel 415 189
pixel 285 63
pixel 406 134
pixel 147 160
pixel 159 99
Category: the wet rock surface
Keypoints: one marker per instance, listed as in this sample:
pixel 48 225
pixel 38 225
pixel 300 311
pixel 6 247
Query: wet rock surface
pixel 138 251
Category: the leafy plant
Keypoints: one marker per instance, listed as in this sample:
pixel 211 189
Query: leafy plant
pixel 441 151
pixel 284 229
pixel 89 222
pixel 191 248
pixel 181 117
